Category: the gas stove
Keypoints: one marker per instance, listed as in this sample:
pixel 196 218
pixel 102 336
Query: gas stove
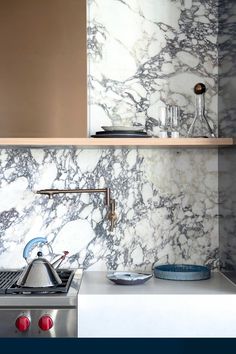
pixel 8 284
pixel 39 312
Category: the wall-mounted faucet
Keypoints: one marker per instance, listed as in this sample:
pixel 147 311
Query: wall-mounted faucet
pixel 112 217
pixel 112 214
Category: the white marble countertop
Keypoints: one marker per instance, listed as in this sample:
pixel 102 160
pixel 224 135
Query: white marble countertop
pixel 95 283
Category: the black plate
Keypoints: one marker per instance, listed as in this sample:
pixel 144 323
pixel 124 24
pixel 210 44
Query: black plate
pixel 116 132
pixel 121 135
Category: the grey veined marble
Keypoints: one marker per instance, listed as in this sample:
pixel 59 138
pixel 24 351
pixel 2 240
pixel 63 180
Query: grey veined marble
pixel 227 127
pixel 227 67
pixel 147 53
pixel 141 54
pixel 166 205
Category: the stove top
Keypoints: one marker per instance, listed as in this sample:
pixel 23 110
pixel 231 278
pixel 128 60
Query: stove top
pixel 9 278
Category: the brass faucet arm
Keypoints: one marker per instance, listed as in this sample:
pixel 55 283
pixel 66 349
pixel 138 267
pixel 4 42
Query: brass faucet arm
pixel 109 202
pixel 51 192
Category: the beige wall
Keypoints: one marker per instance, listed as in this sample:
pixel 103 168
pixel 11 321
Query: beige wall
pixel 43 80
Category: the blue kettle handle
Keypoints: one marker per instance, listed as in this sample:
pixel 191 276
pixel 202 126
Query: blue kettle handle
pixel 29 245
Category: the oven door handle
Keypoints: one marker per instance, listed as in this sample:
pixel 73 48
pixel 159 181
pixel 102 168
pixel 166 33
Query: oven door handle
pixel 31 243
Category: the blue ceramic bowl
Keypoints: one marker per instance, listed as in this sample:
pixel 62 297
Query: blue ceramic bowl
pixel 181 272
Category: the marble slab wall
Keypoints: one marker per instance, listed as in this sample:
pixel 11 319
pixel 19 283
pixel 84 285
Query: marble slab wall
pixel 227 126
pixel 227 68
pixel 141 54
pixel 147 53
pixel 166 206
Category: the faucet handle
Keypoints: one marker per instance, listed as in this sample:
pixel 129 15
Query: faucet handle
pixel 113 218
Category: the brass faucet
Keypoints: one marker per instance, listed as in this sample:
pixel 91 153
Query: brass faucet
pixel 112 217
pixel 112 214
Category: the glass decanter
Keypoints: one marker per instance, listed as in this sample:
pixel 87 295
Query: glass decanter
pixel 200 127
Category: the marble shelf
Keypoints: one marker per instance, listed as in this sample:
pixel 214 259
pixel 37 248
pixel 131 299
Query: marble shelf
pixel 119 142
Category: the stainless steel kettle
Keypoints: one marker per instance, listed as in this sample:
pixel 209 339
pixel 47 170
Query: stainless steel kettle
pixel 39 272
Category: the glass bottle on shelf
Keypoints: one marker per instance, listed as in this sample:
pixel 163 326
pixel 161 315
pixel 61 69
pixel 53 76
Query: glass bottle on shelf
pixel 200 127
pixel 174 112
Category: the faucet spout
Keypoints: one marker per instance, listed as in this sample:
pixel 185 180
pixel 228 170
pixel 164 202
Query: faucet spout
pixel 108 200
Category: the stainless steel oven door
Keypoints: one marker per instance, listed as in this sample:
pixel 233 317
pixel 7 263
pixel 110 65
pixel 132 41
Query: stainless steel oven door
pixel 38 322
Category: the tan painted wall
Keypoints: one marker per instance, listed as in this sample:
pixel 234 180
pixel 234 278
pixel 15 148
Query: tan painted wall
pixel 43 61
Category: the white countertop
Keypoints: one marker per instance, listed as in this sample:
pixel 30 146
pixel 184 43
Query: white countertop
pixel 96 283
pixel 157 308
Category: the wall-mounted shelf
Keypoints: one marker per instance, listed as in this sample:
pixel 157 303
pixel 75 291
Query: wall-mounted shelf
pixel 109 142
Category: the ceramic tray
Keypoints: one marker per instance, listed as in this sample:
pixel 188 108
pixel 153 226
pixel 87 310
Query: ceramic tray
pixel 181 272
pixel 128 278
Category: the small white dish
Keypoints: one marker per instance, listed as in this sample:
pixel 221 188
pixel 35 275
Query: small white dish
pixel 122 128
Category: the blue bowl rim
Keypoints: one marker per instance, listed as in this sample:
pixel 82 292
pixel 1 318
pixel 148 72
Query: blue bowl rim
pixel 181 268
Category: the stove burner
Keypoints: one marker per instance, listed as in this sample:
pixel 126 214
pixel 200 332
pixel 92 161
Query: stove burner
pixel 7 278
pixel 8 285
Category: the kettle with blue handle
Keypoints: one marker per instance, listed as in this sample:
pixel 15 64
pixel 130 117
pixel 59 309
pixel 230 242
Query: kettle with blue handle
pixel 29 246
pixel 43 241
pixel 39 272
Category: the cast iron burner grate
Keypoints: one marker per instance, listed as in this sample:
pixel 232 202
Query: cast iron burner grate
pixel 10 287
pixel 7 278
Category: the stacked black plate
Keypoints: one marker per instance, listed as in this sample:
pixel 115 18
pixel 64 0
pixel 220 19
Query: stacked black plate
pixel 112 132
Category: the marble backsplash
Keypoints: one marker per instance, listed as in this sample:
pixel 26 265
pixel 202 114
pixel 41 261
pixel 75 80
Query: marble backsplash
pixel 227 209
pixel 144 54
pixel 227 68
pixel 166 205
pixel 227 127
pixel 141 54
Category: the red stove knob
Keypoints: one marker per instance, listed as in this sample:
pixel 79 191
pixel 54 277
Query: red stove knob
pixel 22 323
pixel 45 323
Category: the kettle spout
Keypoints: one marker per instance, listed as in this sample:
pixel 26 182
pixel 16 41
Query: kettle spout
pixel 59 260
